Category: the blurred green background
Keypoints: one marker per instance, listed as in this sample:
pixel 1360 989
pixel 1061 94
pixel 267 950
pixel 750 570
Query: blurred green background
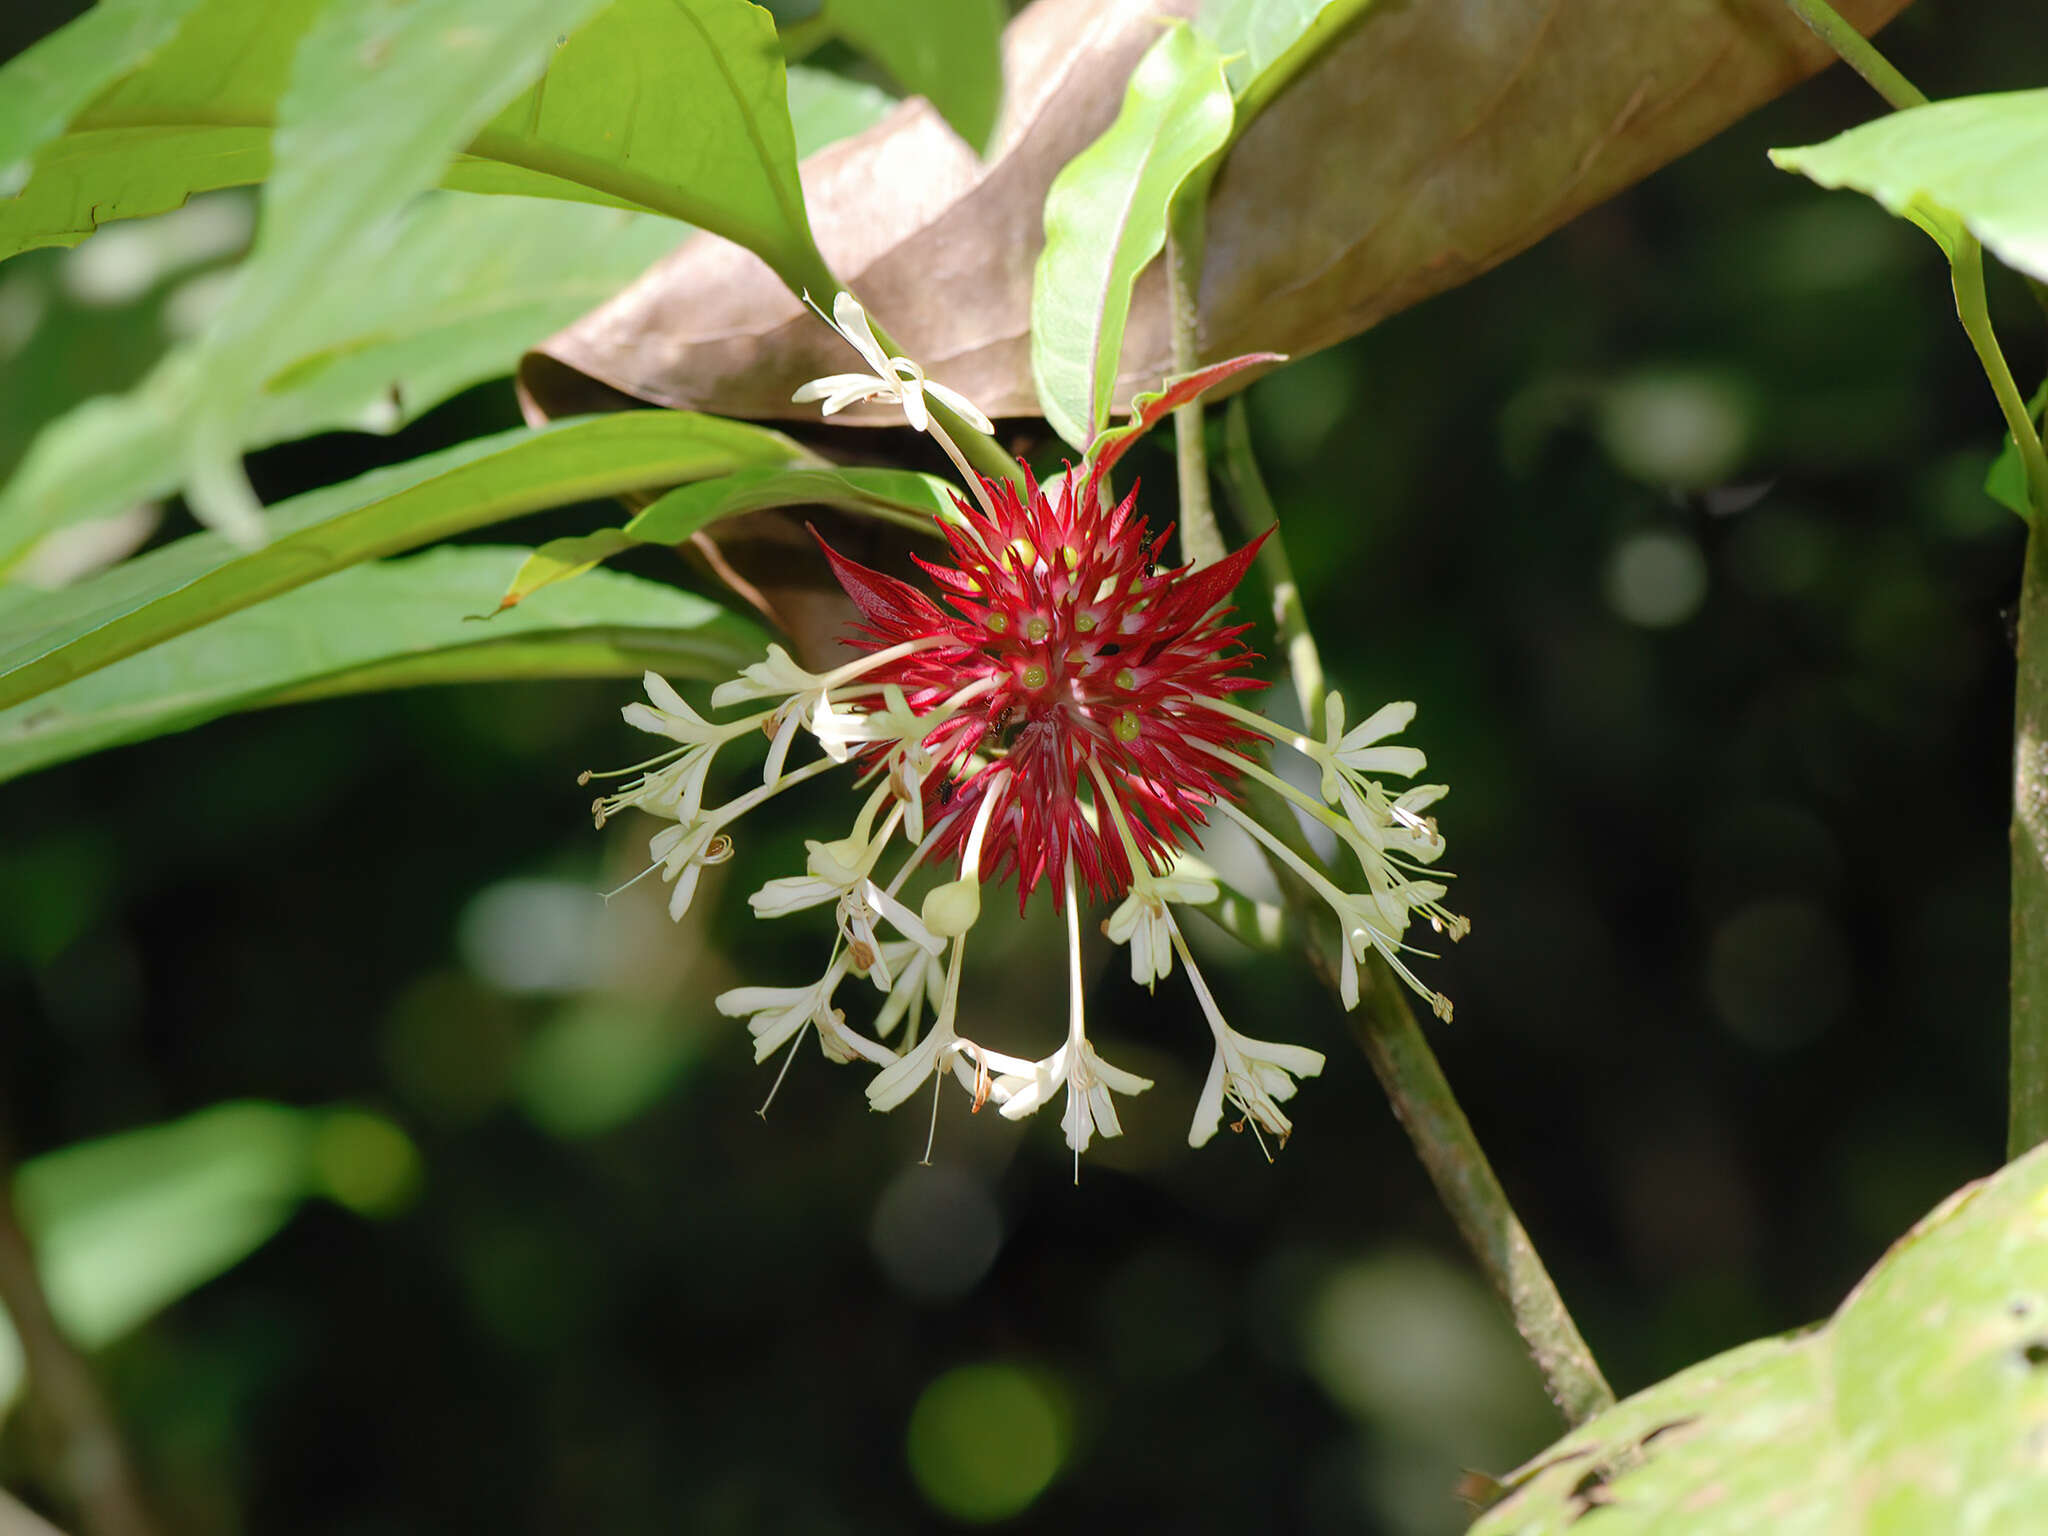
pixel 1672 527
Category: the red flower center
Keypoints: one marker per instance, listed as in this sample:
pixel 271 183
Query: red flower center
pixel 1068 659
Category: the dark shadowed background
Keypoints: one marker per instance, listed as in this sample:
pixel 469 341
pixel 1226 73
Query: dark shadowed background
pixel 1672 527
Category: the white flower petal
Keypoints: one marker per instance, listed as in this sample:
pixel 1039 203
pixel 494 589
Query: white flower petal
pixel 851 322
pixel 1209 1107
pixel 1387 720
pixel 960 406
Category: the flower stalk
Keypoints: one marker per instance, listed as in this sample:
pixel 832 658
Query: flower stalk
pixel 2027 1084
pixel 1384 1025
pixel 87 1452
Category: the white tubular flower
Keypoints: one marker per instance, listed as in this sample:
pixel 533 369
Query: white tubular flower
pixel 897 380
pixel 859 909
pixel 1025 1086
pixel 941 1049
pixel 1357 750
pixel 775 1015
pixel 775 676
pixel 682 852
pixel 677 788
pixel 1143 923
pixel 919 982
pixel 1367 926
pixel 1255 1075
pixel 831 871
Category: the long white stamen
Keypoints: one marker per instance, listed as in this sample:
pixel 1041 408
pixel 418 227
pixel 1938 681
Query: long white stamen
pixel 786 1061
pixel 970 856
pixel 1077 1035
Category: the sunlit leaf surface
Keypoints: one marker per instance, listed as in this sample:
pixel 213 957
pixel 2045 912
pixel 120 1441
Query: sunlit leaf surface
pixel 50 639
pixel 1922 1405
pixel 379 625
pixel 1982 159
pixel 1105 218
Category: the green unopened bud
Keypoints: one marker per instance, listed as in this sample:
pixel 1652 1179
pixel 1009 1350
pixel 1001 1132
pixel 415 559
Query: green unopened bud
pixel 840 862
pixel 951 909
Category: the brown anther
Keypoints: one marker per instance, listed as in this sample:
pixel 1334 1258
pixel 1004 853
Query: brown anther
pixel 863 955
pixel 583 777
pixel 981 1086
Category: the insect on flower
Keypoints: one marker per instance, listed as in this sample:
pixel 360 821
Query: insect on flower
pixel 1060 709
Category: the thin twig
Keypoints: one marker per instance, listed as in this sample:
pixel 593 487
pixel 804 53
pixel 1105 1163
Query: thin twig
pixel 1966 271
pixel 1255 512
pixel 1385 1026
pixel 91 1465
pixel 2028 1091
pixel 1201 541
pixel 1856 51
pixel 2027 1085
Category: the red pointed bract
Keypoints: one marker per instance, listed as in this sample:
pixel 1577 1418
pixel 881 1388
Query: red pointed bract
pixel 1089 654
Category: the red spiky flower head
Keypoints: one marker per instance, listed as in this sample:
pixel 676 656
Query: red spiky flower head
pixel 1083 664
pixel 1060 711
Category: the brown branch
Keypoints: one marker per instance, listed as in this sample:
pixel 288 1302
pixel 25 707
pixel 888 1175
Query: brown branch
pixel 17 1519
pixel 90 1464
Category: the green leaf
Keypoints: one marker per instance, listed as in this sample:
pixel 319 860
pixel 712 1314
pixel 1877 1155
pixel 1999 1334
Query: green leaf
pixel 467 284
pixel 1919 1407
pixel 43 88
pixel 677 106
pixel 380 98
pixel 1980 159
pixel 950 53
pixel 2006 481
pixel 126 1225
pixel 185 122
pixel 1105 218
pixel 1266 43
pixel 58 636
pixel 667 106
pixel 917 501
pixel 382 625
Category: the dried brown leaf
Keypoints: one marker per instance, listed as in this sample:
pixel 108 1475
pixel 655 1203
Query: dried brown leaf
pixel 1429 143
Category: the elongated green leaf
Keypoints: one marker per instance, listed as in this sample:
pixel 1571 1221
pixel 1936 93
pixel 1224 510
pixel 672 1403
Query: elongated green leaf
pixel 1919 1407
pixel 381 625
pixel 668 106
pixel 196 116
pixel 467 284
pixel 43 88
pixel 1980 159
pixel 950 53
pixel 58 636
pixel 2006 481
pixel 903 496
pixel 380 98
pixel 126 1225
pixel 1105 218
pixel 677 106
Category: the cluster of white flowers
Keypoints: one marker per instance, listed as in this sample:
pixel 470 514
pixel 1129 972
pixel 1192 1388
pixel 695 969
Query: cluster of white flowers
pixel 913 951
pixel 915 958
